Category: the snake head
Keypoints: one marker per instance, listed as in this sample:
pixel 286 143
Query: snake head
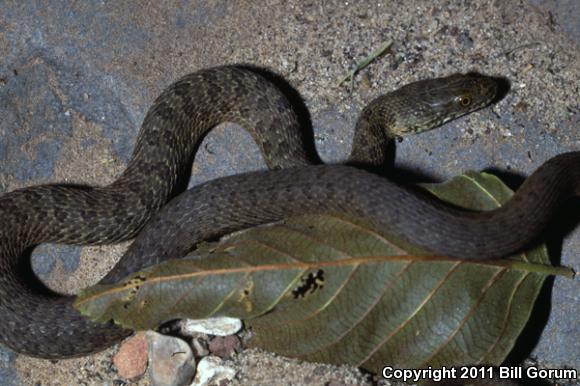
pixel 426 104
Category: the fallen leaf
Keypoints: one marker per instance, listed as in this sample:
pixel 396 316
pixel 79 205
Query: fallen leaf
pixel 333 289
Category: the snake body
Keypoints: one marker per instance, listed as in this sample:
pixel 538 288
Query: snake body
pixel 40 323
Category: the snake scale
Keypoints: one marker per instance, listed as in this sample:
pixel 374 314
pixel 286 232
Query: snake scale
pixel 41 323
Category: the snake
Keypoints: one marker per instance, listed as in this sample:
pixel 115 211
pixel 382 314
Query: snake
pixel 143 202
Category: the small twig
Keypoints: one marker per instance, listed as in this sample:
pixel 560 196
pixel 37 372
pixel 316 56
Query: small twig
pixel 523 46
pixel 383 48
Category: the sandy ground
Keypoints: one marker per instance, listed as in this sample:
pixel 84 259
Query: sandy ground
pixel 76 79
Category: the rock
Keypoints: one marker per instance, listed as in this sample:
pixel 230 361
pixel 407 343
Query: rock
pixel 221 326
pixel 224 346
pixel 199 347
pixel 171 361
pixel 131 359
pixel 211 371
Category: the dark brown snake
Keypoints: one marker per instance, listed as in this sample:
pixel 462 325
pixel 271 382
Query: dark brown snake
pixel 44 324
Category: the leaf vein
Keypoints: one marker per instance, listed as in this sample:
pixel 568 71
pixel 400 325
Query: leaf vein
pixel 408 320
pixel 492 280
pixel 505 320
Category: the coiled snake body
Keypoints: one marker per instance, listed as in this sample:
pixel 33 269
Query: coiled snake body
pixel 44 324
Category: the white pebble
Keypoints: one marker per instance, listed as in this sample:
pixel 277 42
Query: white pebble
pixel 221 326
pixel 211 370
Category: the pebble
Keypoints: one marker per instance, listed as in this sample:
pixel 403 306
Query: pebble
pixel 199 346
pixel 221 326
pixel 225 346
pixel 171 360
pixel 211 370
pixel 131 359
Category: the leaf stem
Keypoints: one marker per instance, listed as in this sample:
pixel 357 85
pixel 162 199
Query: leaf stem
pixel 544 269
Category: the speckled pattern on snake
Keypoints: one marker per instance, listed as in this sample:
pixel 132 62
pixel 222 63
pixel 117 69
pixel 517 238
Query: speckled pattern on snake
pixel 40 323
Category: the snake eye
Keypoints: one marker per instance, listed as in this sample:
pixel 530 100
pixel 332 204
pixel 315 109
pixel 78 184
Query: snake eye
pixel 464 100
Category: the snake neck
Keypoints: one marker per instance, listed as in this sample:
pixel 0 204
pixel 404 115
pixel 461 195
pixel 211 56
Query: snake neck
pixel 372 145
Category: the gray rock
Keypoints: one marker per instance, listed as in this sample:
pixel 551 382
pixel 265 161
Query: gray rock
pixel 171 361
